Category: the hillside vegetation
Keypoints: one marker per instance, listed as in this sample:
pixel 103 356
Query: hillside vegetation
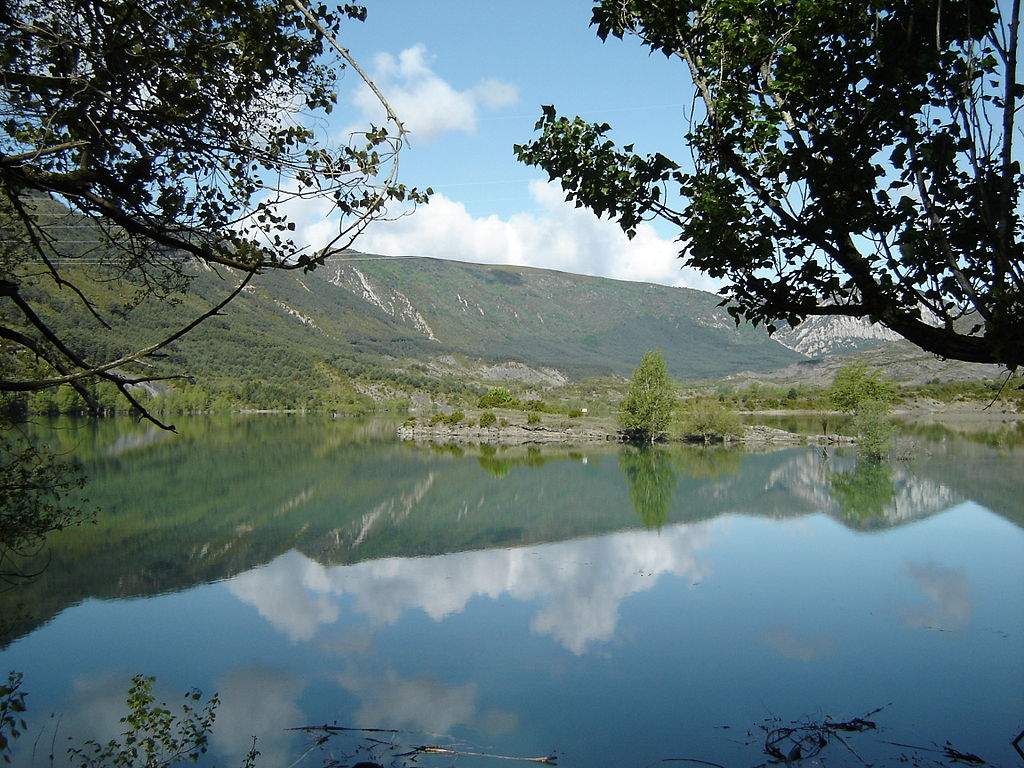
pixel 365 331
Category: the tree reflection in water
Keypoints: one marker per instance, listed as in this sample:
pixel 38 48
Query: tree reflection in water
pixel 652 483
pixel 865 493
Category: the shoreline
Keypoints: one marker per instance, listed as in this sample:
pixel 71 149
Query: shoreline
pixel 754 436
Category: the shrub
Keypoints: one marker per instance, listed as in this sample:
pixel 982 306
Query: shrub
pixel 498 397
pixel 575 413
pixel 855 385
pixel 487 419
pixel 410 422
pixel 503 423
pixel 533 418
pixel 708 419
pixel 874 429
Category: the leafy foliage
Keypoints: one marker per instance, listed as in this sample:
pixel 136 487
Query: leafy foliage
pixel 498 397
pixel 154 736
pixel 167 120
pixel 646 409
pixel 874 430
pixel 854 385
pixel 488 419
pixel 452 419
pixel 146 137
pixel 849 158
pixel 12 708
pixel 708 419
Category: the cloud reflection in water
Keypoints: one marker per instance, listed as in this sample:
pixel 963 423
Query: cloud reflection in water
pixel 579 584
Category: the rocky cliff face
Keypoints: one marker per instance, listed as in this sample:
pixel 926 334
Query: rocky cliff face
pixel 822 336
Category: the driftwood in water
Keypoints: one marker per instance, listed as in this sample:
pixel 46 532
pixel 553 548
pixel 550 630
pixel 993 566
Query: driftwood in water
pixel 800 742
pixel 432 749
pixel 340 729
pixel 947 750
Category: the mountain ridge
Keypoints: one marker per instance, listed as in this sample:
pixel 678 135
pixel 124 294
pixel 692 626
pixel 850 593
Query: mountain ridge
pixel 577 324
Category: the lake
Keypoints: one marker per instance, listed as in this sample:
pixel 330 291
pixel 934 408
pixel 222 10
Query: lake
pixel 610 606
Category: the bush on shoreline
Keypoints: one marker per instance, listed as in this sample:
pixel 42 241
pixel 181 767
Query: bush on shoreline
pixel 709 420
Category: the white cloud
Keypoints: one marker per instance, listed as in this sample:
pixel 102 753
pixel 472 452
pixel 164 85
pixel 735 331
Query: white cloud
pixel 578 585
pixel 556 236
pixel 284 594
pixel 425 102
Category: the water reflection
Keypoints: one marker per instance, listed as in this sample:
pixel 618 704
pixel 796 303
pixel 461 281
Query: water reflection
pixel 258 701
pixel 865 493
pixel 524 600
pixel 229 495
pixel 652 482
pixel 577 586
pixel 422 705
pixel 799 646
pixel 947 603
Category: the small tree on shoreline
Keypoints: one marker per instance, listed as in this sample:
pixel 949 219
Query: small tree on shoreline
pixel 868 397
pixel 854 384
pixel 647 408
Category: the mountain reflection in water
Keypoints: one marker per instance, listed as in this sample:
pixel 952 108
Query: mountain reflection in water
pixel 616 605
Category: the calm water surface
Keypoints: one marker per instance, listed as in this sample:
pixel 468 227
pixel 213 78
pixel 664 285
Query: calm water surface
pixel 612 606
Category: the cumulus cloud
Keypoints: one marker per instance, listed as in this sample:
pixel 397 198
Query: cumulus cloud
pixel 285 594
pixel 578 585
pixel 555 236
pixel 426 103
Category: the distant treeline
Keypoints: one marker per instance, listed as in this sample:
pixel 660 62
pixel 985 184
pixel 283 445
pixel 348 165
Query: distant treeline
pixel 351 386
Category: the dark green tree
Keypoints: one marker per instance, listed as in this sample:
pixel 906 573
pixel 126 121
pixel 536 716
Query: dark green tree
pixel 647 408
pixel 849 158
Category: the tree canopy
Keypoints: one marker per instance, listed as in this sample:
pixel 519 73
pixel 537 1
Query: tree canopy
pixel 142 137
pixel 848 158
pixel 646 409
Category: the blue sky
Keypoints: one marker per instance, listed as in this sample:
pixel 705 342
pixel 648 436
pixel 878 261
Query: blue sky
pixel 468 78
